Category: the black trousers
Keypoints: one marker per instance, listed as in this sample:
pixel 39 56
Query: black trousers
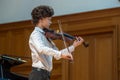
pixel 39 74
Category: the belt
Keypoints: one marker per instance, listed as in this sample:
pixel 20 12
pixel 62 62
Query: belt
pixel 42 70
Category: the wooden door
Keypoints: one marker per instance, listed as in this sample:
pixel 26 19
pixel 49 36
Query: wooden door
pixel 98 61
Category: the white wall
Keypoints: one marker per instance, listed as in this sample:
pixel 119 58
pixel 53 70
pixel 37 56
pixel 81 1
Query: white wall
pixel 19 10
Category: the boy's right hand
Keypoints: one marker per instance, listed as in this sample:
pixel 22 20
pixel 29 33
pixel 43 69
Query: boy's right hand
pixel 67 56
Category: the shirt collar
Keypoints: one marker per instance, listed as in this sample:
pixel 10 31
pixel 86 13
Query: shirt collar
pixel 39 29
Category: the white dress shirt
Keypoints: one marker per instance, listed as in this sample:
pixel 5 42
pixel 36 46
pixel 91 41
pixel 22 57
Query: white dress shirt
pixel 42 50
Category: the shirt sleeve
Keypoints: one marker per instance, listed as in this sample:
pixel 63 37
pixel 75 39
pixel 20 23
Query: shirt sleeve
pixel 36 43
pixel 68 50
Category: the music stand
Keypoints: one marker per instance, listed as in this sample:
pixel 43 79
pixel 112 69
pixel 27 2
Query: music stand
pixel 6 63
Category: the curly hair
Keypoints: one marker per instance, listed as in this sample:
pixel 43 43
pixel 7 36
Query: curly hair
pixel 40 12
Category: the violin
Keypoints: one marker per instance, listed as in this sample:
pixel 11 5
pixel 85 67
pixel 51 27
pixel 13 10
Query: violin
pixel 58 36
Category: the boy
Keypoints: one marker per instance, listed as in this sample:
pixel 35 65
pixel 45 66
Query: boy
pixel 43 49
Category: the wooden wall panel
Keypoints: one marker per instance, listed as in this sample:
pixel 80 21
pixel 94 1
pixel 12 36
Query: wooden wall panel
pixel 27 33
pixel 95 62
pixel 103 57
pixel 100 61
pixel 18 37
pixel 3 41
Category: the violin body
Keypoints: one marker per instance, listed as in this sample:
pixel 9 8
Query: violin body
pixel 58 36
